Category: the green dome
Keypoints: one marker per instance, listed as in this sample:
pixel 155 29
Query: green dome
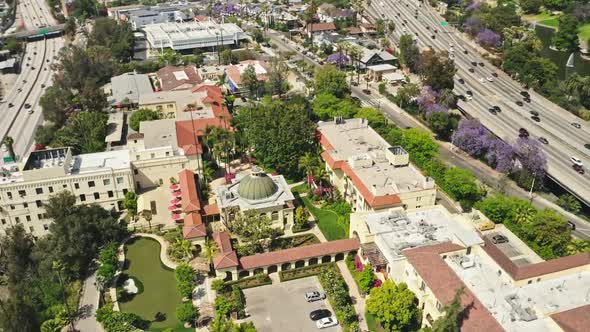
pixel 257 186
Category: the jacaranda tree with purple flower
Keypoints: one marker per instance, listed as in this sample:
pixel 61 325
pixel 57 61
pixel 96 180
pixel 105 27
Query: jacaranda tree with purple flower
pixel 500 155
pixel 472 25
pixel 426 98
pixel 531 156
pixel 488 38
pixel 472 137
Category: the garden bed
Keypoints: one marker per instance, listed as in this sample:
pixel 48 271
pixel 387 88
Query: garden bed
pixel 304 272
pixel 293 242
pixel 250 282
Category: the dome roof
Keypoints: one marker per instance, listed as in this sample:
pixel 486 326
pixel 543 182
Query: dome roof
pixel 257 186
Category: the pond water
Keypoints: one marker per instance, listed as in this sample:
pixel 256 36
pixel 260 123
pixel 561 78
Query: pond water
pixel 581 66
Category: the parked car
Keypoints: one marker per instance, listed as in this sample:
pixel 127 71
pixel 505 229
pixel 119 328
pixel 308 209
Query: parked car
pixel 462 81
pixel 525 94
pixel 319 314
pixel 326 322
pixel 494 74
pixel 497 239
pixel 534 113
pixel 314 296
pixel 367 91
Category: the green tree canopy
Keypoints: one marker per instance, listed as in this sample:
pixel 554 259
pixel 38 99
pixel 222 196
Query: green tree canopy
pixel 84 133
pixel 461 185
pixel 250 81
pixel 143 114
pixel 409 52
pixel 566 38
pixel 437 70
pixel 115 35
pixel 393 306
pixel 326 106
pixel 330 79
pixel 419 145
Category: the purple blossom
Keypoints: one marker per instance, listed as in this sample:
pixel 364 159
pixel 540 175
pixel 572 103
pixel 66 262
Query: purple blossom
pixel 472 137
pixel 427 97
pixel 472 25
pixel 500 155
pixel 357 264
pixel 488 38
pixel 338 58
pixel 474 6
pixel 435 108
pixel 531 156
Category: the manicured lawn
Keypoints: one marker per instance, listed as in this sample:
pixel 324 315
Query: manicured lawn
pixel 327 221
pixel 300 189
pixel 159 293
pixel 372 323
pixel 584 32
pixel 540 17
pixel 552 22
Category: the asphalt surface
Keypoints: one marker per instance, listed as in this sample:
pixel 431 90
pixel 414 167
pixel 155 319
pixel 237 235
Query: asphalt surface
pixel 21 120
pixel 564 140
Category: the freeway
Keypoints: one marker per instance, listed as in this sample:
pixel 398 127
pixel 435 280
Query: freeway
pixel 555 126
pixel 20 112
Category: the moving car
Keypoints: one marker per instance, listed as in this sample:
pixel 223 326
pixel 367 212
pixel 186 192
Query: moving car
pixel 494 74
pixel 480 64
pixel 543 140
pixel 314 296
pixel 462 81
pixel 493 111
pixel 576 125
pixel 523 133
pixel 465 52
pixel 536 118
pixel 10 105
pixel 497 108
pixel 519 103
pixel 367 91
pixel 27 105
pixel 527 99
pixel 576 161
pixel 490 79
pixel 497 239
pixel 326 322
pixel 525 93
pixel 473 63
pixel 319 314
pixel 534 113
pixel 578 169
pixel 471 70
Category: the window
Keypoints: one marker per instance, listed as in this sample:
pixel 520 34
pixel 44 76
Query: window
pixel 125 191
pixel 137 157
pixel 91 184
pixel 152 155
pixel 135 171
pixel 65 185
pixel 39 203
pixel 17 219
pixel 28 218
pixel 82 198
pixel 45 227
pixel 106 182
pixel 170 105
pixel 119 180
pixel 40 216
pixel 39 191
pixel 3 221
pixel 438 306
pixel 530 281
pixel 9 194
pixel 110 193
pixel 538 279
pixel 422 285
pixel 96 196
pixel 76 185
pixel 22 193
pixel 167 153
pixel 50 188
pixel 31 229
pixel 25 205
pixel 159 107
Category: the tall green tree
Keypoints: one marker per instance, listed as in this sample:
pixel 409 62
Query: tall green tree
pixel 60 205
pixel 115 35
pixel 84 133
pixel 9 142
pixel 277 77
pixel 330 80
pixel 394 307
pixel 566 38
pixel 130 202
pixel 409 52
pixel 143 114
pixel 250 81
pixel 461 185
pixel 437 70
pixel 451 320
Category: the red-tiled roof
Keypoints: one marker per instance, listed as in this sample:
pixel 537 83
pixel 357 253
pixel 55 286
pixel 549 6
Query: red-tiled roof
pixel 372 200
pixel 443 282
pixel 201 18
pixel 223 241
pixel 574 320
pixel 210 209
pixel 534 270
pixel 355 31
pixel 188 190
pixel 226 257
pixel 170 81
pixel 194 231
pixel 319 27
pixel 295 254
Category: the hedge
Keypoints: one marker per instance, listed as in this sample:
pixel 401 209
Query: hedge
pixel 304 272
pixel 250 282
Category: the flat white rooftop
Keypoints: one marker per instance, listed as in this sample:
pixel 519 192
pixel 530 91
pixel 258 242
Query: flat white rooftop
pixel 524 308
pixel 396 229
pixel 158 133
pixel 192 34
pixel 101 161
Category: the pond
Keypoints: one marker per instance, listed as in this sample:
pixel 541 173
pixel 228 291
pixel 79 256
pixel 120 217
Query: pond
pixel 157 298
pixel 581 66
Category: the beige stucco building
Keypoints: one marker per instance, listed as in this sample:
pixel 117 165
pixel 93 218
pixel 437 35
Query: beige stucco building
pixel 371 174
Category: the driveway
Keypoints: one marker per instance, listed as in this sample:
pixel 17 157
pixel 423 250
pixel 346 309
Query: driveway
pixel 282 307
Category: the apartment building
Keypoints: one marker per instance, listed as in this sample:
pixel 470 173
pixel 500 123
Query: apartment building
pixel 371 174
pixel 436 253
pixel 101 178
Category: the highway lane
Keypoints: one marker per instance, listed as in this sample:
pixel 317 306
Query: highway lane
pixel 564 140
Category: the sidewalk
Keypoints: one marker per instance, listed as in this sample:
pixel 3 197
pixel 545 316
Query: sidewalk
pixel 88 305
pixel 357 299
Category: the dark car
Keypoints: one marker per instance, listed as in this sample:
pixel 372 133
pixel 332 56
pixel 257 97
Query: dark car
pixel 471 70
pixel 528 100
pixel 496 239
pixel 523 133
pixel 27 105
pixel 435 31
pixel 355 99
pixel 481 64
pixel 534 113
pixel 465 52
pixel 495 74
pixel 473 63
pixel 462 81
pixel 536 118
pixel 543 140
pixel 10 104
pixel 576 125
pixel 498 109
pixel 462 98
pixel 587 146
pixel 319 314
pixel 525 93
pixel 491 110
pixel 578 168
pixel 571 225
pixel 433 37
pixel 519 103
pixel 367 91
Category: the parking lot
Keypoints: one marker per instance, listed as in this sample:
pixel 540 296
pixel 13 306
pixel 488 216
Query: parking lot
pixel 282 307
pixel 515 249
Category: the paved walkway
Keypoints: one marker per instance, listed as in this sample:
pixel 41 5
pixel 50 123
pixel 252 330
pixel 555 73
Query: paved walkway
pixel 88 305
pixel 357 299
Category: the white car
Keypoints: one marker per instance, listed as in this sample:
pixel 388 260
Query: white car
pixel 326 322
pixel 481 80
pixel 469 97
pixel 490 79
pixel 576 161
pixel 314 296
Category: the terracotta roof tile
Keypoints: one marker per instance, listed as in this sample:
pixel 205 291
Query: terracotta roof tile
pixel 443 282
pixel 171 81
pixel 294 254
pixel 194 231
pixel 211 209
pixel 226 257
pixel 319 27
pixel 574 320
pixel 223 241
pixel 188 190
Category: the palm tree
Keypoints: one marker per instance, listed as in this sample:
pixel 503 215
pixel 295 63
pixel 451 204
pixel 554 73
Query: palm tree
pixel 184 247
pixel 209 251
pixel 359 7
pixel 208 171
pixel 228 101
pixel 9 141
pixel 355 54
pixel 578 85
pixel 308 162
pixel 221 80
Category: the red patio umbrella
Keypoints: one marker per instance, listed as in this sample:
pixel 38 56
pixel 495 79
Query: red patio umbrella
pixel 173 186
pixel 173 207
pixel 176 193
pixel 176 216
pixel 175 200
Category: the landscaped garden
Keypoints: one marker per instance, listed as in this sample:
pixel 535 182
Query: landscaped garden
pixel 293 242
pixel 158 297
pixel 327 220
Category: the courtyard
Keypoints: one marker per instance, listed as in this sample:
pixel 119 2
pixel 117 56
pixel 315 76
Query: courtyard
pixel 157 298
pixel 282 306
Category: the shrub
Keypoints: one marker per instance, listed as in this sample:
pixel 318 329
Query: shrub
pixel 184 275
pixel 569 203
pixel 186 312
